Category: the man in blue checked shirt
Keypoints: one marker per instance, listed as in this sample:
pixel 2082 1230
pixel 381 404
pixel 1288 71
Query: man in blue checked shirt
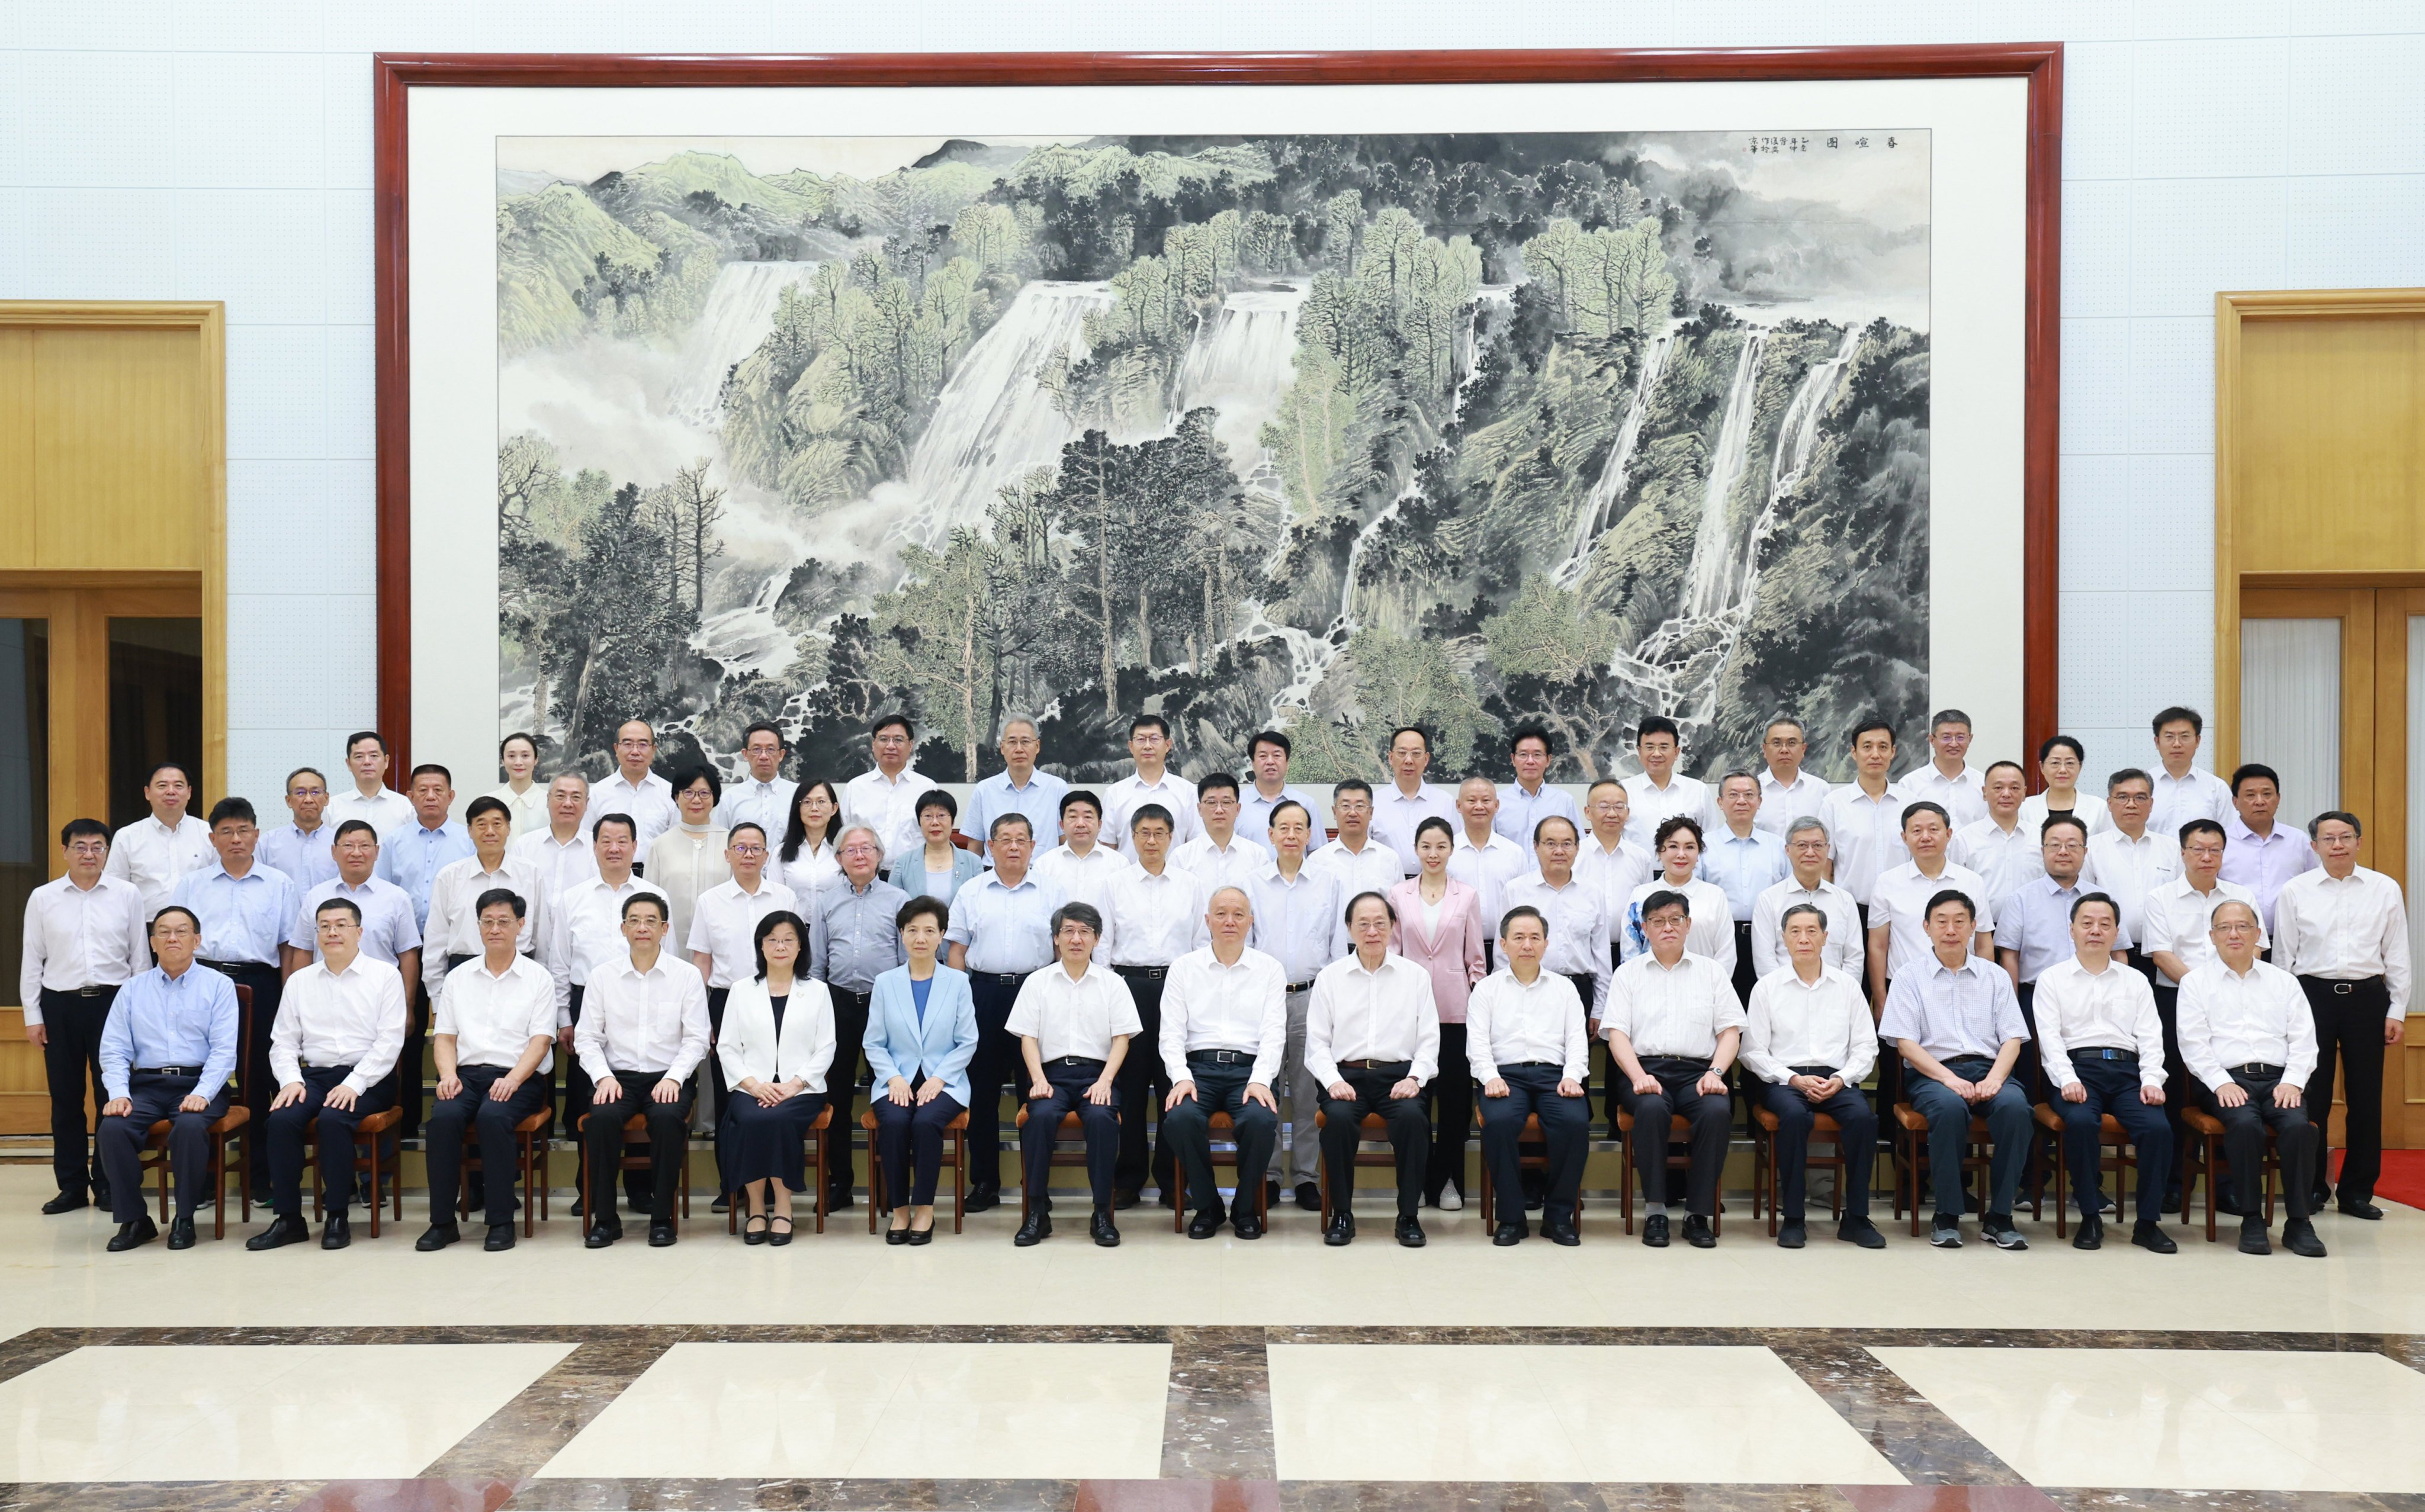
pixel 410 857
pixel 166 1051
pixel 852 941
pixel 243 906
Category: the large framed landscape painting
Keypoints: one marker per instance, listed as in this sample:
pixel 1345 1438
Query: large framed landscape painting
pixel 1326 395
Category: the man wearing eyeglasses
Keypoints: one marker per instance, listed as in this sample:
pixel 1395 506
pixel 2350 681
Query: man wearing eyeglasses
pixel 853 939
pixel 305 848
pixel 723 941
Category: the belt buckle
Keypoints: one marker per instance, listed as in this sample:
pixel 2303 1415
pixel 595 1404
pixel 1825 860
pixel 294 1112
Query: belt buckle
pixel 2342 989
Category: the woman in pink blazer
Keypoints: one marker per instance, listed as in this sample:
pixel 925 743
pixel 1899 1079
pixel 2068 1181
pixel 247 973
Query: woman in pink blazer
pixel 1439 928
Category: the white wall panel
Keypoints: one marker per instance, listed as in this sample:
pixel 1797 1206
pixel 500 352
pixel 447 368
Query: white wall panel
pixel 2172 385
pixel 250 120
pixel 2098 524
pixel 265 252
pixel 2356 232
pixel 2209 109
pixel 277 395
pixel 2189 237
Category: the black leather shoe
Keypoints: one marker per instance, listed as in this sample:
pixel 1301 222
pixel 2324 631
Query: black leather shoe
pixel 924 1235
pixel 757 1235
pixel 282 1231
pixel 981 1199
pixel 1410 1232
pixel 777 1238
pixel 1309 1197
pixel 603 1234
pixel 2319 1200
pixel 501 1236
pixel 1698 1233
pixel 2299 1237
pixel 65 1203
pixel 1271 1193
pixel 2229 1206
pixel 2252 1237
pixel 1245 1225
pixel 1508 1234
pixel 1125 1198
pixel 1205 1224
pixel 899 1235
pixel 2147 1235
pixel 336 1234
pixel 2091 1234
pixel 1654 1231
pixel 1860 1232
pixel 439 1237
pixel 1791 1237
pixel 180 1231
pixel 1102 1230
pixel 1563 1231
pixel 2360 1210
pixel 660 1232
pixel 580 1208
pixel 142 1230
pixel 1341 1229
pixel 1037 1229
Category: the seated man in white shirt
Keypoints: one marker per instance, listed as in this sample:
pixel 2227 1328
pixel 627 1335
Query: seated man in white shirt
pixel 1524 1042
pixel 493 1036
pixel 1371 1041
pixel 2103 1051
pixel 2249 1038
pixel 1074 1020
pixel 643 1031
pixel 1223 1028
pixel 1808 1037
pixel 1673 1025
pixel 333 1051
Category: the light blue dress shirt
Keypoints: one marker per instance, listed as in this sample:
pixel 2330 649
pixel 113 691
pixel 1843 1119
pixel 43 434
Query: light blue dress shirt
pixel 1948 1013
pixel 244 919
pixel 1744 869
pixel 1519 811
pixel 160 1020
pixel 2034 919
pixel 1006 928
pixel 1040 801
pixel 389 928
pixel 308 860
pixel 1255 812
pixel 410 857
pixel 1302 924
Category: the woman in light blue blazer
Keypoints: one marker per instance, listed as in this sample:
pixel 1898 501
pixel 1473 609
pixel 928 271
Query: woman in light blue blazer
pixel 938 867
pixel 921 1029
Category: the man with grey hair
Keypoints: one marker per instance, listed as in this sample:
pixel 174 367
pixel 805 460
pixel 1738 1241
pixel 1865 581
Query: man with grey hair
pixel 1805 852
pixel 852 941
pixel 1785 792
pixel 1019 787
pixel 560 853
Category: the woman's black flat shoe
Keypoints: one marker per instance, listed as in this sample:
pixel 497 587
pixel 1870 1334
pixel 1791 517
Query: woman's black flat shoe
pixel 920 1235
pixel 896 1236
pixel 780 1237
pixel 750 1235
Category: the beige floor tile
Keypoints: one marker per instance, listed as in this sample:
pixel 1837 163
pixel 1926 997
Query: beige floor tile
pixel 1552 1412
pixel 249 1412
pixel 885 1410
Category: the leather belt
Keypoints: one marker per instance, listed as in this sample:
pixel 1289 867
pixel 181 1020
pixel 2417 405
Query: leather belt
pixel 187 1071
pixel 1528 1065
pixel 2099 1052
pixel 1304 986
pixel 1147 973
pixel 1084 1061
pixel 230 968
pixel 1001 979
pixel 1375 1065
pixel 1222 1058
pixel 2258 1070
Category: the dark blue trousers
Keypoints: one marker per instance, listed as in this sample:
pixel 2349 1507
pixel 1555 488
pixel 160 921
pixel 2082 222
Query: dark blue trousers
pixel 189 1145
pixel 2113 1087
pixel 1856 1140
pixel 284 1141
pixel 1566 1129
pixel 1100 1121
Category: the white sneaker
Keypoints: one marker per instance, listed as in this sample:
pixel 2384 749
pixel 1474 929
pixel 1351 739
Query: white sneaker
pixel 1452 1201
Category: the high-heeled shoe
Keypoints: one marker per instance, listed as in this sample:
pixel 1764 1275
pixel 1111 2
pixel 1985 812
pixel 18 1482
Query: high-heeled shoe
pixel 918 1235
pixel 899 1235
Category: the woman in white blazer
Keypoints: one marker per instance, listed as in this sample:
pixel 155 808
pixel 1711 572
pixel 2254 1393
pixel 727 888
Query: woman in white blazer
pixel 921 1029
pixel 776 1045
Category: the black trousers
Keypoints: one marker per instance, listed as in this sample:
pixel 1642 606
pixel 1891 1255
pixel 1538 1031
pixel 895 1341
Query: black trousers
pixel 2296 1142
pixel 842 1088
pixel 1747 1086
pixel 284 1141
pixel 909 1146
pixel 1448 1099
pixel 2179 1085
pixel 255 1079
pixel 1856 1140
pixel 996 1061
pixel 1187 1129
pixel 1145 1083
pixel 189 1143
pixel 714 1063
pixel 574 1101
pixel 1102 1122
pixel 472 1111
pixel 1341 1126
pixel 1705 1117
pixel 2113 1087
pixel 411 1062
pixel 72 1025
pixel 2350 1016
pixel 1565 1127
pixel 668 1140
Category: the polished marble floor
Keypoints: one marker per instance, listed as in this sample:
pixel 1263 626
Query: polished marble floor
pixel 1172 1374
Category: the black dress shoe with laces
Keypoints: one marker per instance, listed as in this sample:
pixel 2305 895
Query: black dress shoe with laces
pixel 1037 1229
pixel 1860 1232
pixel 1309 1197
pixel 1654 1231
pixel 439 1237
pixel 142 1230
pixel 2299 1237
pixel 1563 1231
pixel 1205 1224
pixel 2149 1235
pixel 1341 1229
pixel 660 1232
pixel 336 1234
pixel 1507 1234
pixel 981 1199
pixel 2252 1237
pixel 604 1234
pixel 65 1203
pixel 282 1231
pixel 1410 1232
pixel 1697 1232
pixel 2360 1209
pixel 180 1231
pixel 501 1236
pixel 1245 1224
pixel 1102 1230
pixel 2091 1234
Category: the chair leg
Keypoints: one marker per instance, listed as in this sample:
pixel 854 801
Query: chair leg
pixel 1179 1198
pixel 817 1198
pixel 244 1176
pixel 1625 1183
pixel 960 1180
pixel 2210 1186
pixel 2062 1211
pixel 874 1185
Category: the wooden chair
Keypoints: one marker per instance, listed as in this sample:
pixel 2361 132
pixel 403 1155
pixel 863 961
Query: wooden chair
pixel 2124 1159
pixel 1221 1124
pixel 2204 1157
pixel 635 1136
pixel 1911 1160
pixel 1529 1134
pixel 370 1135
pixel 153 1156
pixel 816 1139
pixel 1372 1130
pixel 1674 1162
pixel 529 1153
pixel 956 1154
pixel 1766 1179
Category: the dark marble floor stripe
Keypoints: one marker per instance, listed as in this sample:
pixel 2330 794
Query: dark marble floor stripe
pixel 703 1495
pixel 1910 1432
pixel 420 1495
pixel 153 1496
pixel 1217 1420
pixel 2076 1499
pixel 524 1434
pixel 1947 1498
